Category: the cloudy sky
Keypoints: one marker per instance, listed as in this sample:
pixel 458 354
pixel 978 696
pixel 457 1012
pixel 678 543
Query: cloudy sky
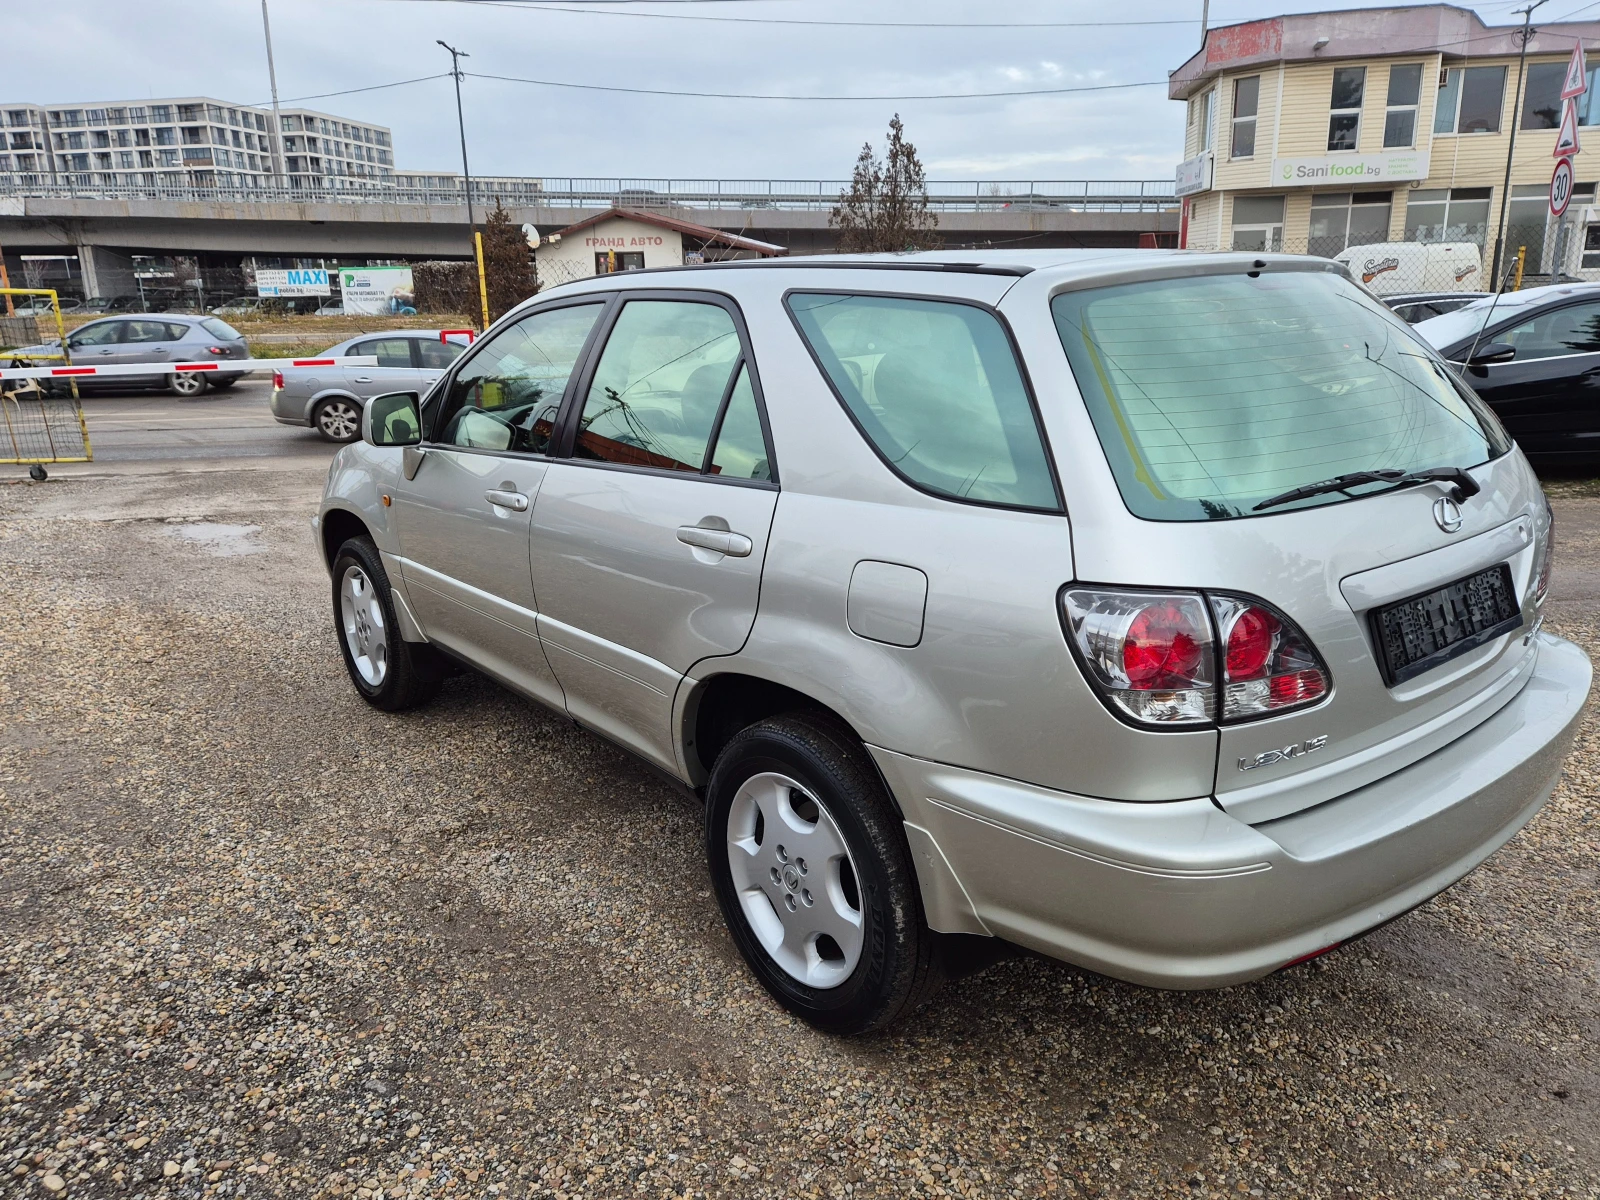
pixel 115 50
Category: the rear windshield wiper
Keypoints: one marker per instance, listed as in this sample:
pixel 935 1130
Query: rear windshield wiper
pixel 1465 485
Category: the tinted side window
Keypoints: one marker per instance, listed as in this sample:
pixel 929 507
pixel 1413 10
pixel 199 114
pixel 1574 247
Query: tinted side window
pixel 1571 330
pixel 153 331
pixel 935 387
pixel 391 352
pixel 106 333
pixel 659 385
pixel 741 451
pixel 506 397
pixel 437 355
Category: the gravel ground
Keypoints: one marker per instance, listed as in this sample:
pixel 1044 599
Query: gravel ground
pixel 258 939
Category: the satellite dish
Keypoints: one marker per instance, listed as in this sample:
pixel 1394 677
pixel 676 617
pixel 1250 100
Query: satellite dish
pixel 531 235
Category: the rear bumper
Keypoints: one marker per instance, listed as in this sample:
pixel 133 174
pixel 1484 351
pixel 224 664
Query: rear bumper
pixel 1182 895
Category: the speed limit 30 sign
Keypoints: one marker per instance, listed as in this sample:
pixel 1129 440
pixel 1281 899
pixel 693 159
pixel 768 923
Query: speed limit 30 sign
pixel 1561 187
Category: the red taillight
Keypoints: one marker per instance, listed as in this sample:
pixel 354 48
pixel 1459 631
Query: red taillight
pixel 1162 648
pixel 1268 664
pixel 1157 657
pixel 277 379
pixel 1547 556
pixel 215 350
pixel 1151 655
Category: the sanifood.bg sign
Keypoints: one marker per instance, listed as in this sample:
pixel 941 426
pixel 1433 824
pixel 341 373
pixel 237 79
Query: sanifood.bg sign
pixel 1194 175
pixel 292 283
pixel 1350 168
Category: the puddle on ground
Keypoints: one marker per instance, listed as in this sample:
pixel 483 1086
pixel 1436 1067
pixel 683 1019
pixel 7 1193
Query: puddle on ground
pixel 219 540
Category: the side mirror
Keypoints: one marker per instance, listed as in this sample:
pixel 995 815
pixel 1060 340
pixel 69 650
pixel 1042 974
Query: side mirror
pixel 392 419
pixel 1494 352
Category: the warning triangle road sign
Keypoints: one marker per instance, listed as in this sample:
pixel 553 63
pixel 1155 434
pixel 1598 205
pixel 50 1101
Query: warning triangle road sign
pixel 1577 81
pixel 1567 139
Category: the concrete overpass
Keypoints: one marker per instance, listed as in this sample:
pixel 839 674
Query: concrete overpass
pixel 106 228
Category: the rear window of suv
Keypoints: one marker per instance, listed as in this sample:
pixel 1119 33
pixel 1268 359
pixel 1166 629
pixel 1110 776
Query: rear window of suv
pixel 1211 394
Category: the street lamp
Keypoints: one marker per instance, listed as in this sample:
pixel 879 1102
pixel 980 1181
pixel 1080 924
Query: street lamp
pixel 466 173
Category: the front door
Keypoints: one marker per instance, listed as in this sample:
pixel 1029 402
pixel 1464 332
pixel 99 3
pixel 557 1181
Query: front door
pixel 648 538
pixel 464 516
pixel 1548 396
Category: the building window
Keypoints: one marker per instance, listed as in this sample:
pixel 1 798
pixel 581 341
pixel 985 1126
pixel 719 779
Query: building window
pixel 1448 215
pixel 1400 117
pixel 167 136
pixel 141 137
pixel 125 159
pixel 1340 220
pixel 1470 100
pixel 1258 223
pixel 1202 112
pixel 189 112
pixel 100 139
pixel 1541 98
pixel 1344 108
pixel 1246 99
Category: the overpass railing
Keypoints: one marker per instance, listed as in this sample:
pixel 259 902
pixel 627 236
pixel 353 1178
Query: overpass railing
pixel 1099 195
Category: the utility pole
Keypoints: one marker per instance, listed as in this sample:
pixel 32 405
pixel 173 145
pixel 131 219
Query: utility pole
pixel 1205 19
pixel 466 176
pixel 276 141
pixel 1526 35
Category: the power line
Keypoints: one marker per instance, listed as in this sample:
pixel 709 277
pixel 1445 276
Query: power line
pixel 597 87
pixel 603 8
pixel 376 87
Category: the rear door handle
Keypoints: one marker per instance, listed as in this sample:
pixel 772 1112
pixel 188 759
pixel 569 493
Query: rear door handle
pixel 515 501
pixel 363 378
pixel 734 545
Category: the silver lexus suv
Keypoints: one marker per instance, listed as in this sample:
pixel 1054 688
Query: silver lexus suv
pixel 1175 615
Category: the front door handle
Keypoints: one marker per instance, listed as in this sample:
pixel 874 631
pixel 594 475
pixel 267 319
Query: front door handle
pixel 515 501
pixel 734 545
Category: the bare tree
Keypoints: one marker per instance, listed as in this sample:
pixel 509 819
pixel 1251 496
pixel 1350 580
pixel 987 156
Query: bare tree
pixel 886 208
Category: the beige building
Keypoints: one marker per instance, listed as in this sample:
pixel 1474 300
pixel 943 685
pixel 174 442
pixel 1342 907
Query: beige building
pixel 623 239
pixel 1317 132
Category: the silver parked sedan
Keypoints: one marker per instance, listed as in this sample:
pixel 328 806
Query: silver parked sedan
pixel 154 338
pixel 1176 615
pixel 329 398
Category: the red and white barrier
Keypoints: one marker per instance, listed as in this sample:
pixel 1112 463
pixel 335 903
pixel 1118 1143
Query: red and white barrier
pixel 226 366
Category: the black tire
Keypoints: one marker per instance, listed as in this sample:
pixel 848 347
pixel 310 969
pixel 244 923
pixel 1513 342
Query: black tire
pixel 338 419
pixel 900 965
pixel 412 672
pixel 187 385
pixel 37 473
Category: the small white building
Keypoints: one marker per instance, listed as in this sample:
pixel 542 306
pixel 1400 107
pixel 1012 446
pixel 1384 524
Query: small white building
pixel 623 239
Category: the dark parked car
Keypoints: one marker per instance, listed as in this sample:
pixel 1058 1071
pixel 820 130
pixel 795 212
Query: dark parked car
pixel 1535 357
pixel 1412 307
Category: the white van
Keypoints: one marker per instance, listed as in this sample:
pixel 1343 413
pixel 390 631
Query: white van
pixel 1390 268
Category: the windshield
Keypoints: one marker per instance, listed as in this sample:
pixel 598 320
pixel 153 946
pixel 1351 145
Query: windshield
pixel 1211 394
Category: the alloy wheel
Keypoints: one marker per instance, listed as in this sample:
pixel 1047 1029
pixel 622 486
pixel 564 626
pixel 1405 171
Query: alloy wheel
pixel 361 615
pixel 795 880
pixel 188 383
pixel 338 420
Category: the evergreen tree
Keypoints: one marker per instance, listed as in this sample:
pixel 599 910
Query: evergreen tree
pixel 508 267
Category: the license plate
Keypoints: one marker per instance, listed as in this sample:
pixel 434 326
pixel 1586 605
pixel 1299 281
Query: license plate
pixel 1418 634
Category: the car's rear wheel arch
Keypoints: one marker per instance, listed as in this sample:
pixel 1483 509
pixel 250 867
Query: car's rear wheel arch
pixel 723 705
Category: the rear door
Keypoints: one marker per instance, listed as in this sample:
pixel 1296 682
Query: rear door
pixel 396 371
pixel 151 340
pixel 1548 396
pixel 649 535
pixel 433 357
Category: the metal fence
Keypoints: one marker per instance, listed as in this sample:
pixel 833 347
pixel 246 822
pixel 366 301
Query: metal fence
pixel 1113 195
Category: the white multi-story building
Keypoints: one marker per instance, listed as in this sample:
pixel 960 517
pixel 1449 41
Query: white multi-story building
pixel 190 142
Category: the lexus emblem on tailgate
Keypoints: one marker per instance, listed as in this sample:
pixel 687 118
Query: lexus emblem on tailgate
pixel 1447 514
pixel 1283 753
